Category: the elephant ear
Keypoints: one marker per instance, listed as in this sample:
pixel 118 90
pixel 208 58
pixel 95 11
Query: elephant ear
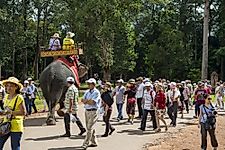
pixel 82 70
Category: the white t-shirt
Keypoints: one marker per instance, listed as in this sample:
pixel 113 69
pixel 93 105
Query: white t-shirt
pixel 173 94
pixel 148 98
pixel 140 90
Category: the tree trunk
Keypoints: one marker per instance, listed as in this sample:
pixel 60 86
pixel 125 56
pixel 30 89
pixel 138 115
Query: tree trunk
pixel 36 60
pixel 222 69
pixel 106 74
pixel 25 69
pixel 205 42
pixel 13 40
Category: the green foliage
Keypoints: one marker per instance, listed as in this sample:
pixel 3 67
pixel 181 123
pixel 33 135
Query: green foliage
pixel 125 38
pixel 194 75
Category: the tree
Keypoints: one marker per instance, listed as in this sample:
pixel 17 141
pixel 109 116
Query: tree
pixel 205 42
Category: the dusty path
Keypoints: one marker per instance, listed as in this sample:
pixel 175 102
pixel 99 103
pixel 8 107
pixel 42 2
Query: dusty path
pixel 38 136
pixel 189 138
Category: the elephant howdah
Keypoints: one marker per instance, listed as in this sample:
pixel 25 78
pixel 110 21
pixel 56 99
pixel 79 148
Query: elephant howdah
pixel 54 86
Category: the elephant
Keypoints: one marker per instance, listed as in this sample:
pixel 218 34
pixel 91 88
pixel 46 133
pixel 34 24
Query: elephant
pixel 54 86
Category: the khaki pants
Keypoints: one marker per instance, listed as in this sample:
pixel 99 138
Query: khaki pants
pixel 91 118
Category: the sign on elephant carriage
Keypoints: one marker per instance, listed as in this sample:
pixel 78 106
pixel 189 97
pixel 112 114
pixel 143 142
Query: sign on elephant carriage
pixel 68 50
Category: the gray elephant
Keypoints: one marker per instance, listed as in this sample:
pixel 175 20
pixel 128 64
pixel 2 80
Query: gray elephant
pixel 54 86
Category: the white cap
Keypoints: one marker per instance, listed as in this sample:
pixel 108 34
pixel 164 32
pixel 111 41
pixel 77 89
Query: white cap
pixel 173 84
pixel 146 80
pixel 0 82
pixel 91 80
pixel 148 84
pixel 26 82
pixel 183 82
pixel 29 79
pixel 120 81
pixel 70 79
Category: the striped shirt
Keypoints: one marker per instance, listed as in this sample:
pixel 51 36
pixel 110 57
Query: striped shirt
pixel 72 94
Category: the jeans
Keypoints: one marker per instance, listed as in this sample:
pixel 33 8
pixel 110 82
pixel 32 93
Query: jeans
pixel 1 104
pixel 28 105
pixel 204 137
pixel 120 111
pixel 197 109
pixel 33 105
pixel 67 123
pixel 144 119
pixel 186 102
pixel 15 140
pixel 140 111
pixel 172 112
pixel 106 119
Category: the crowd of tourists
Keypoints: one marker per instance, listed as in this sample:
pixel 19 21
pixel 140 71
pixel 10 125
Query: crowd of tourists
pixel 156 98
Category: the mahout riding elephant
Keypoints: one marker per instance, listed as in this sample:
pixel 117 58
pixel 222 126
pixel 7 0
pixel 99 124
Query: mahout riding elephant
pixel 53 84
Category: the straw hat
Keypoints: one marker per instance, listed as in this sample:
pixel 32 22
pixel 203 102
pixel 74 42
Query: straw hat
pixel 56 35
pixel 14 81
pixel 70 35
pixel 108 83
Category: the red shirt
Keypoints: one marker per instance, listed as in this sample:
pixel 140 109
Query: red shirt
pixel 160 98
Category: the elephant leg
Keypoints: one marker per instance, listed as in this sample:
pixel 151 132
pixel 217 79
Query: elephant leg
pixel 51 117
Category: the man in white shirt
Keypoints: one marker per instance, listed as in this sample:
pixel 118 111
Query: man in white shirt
pixel 119 94
pixel 148 106
pixel 139 95
pixel 173 96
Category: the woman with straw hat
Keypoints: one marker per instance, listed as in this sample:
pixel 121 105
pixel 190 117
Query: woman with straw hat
pixel 131 100
pixel 54 43
pixel 15 111
pixel 68 42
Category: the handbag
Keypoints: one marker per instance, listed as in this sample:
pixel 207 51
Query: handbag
pixel 5 127
pixel 131 100
pixel 210 121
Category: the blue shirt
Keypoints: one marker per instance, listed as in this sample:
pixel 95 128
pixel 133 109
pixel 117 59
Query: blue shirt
pixel 93 95
pixel 209 111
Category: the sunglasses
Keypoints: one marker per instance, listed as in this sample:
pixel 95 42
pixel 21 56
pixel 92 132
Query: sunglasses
pixel 209 98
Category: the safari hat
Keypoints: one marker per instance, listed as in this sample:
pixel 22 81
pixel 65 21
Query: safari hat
pixel 131 81
pixel 13 80
pixel 70 35
pixel 56 35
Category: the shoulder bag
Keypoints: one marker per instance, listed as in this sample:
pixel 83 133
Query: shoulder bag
pixel 5 127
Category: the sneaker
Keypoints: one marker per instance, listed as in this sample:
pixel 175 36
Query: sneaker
pixel 105 135
pixel 82 132
pixel 93 145
pixel 141 129
pixel 158 130
pixel 111 132
pixel 84 147
pixel 65 135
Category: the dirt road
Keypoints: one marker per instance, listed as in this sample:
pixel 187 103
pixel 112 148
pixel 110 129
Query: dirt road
pixel 38 136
